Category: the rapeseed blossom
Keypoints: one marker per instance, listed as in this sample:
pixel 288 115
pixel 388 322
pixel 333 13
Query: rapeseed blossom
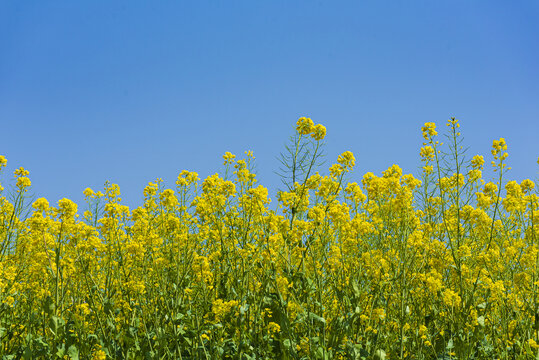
pixel 304 126
pixel 429 130
pixel 318 132
pixel 388 265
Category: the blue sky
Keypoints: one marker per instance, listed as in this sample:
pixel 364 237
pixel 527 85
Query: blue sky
pixel 129 91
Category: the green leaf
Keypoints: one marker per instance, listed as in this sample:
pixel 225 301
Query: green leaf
pixel 379 355
pixel 481 321
pixel 244 308
pixel 27 355
pixel 48 306
pixel 482 305
pixel 287 344
pixel 319 353
pixel 73 352
pixel 54 323
pixel 355 286
pixel 315 317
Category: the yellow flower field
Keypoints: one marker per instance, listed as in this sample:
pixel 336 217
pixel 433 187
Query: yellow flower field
pixel 440 266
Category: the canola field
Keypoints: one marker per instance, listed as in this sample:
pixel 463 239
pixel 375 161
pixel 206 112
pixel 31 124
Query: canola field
pixel 442 265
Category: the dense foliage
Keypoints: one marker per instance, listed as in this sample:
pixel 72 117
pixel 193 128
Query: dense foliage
pixel 441 267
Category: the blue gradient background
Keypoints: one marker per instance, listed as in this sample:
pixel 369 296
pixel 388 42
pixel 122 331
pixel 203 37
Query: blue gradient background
pixel 129 91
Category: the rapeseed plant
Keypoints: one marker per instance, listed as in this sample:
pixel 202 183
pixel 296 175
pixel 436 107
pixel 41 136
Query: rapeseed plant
pixel 444 266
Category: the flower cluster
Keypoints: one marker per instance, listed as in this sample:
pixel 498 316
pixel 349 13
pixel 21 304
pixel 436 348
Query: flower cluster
pixel 442 265
pixel 305 126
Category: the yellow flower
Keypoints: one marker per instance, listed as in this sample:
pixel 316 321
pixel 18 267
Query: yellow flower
pixel 355 193
pixel 305 126
pixel 21 172
pixel 84 308
pixel 41 204
pixel 66 209
pixel 273 327
pixel 88 192
pixel 347 160
pixel 229 158
pixel 98 354
pixel 379 313
pixel 23 182
pixel 3 161
pixel 150 189
pixel 428 169
pixel 427 153
pixel 9 301
pixel 221 308
pixel 186 178
pixel 498 148
pixel 335 170
pixel 429 130
pixel 318 132
pixel 168 198
pixel 453 122
pixel 490 189
pixel 451 298
pixel 527 185
pixel 474 175
pixel 477 162
pixel 533 344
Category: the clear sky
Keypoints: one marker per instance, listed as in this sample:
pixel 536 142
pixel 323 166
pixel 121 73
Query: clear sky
pixel 129 91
